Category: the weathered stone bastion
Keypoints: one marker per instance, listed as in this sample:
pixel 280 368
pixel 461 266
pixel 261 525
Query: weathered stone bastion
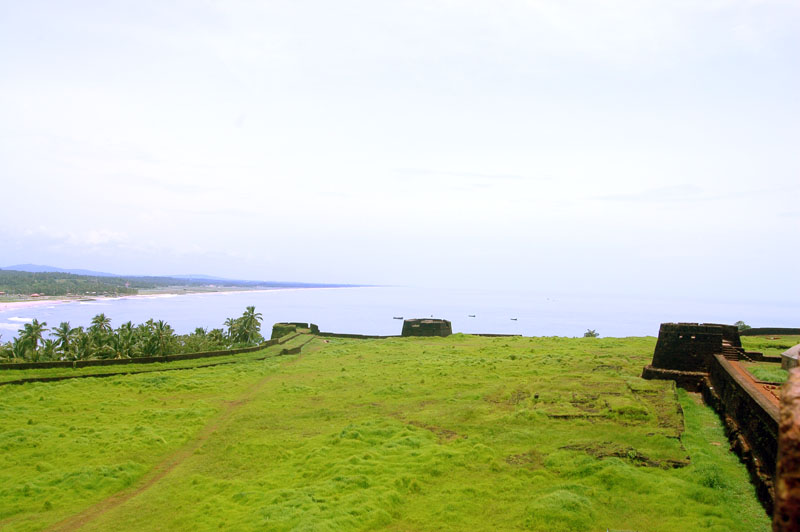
pixel 284 328
pixel 427 327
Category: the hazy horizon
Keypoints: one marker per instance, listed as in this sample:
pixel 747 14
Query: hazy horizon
pixel 641 148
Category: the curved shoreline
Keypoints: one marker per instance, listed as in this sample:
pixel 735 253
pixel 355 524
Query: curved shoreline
pixel 6 306
pixel 15 305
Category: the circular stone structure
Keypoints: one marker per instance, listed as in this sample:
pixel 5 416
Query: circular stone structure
pixel 427 327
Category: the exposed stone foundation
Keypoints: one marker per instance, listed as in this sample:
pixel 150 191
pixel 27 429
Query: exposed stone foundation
pixel 688 380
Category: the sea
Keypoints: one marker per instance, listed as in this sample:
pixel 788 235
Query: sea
pixel 380 310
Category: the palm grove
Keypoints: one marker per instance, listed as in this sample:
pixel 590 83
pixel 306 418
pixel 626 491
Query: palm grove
pixel 151 338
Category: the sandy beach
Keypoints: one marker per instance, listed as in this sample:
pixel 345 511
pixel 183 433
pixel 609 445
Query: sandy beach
pixel 6 306
pixel 14 305
pixel 28 303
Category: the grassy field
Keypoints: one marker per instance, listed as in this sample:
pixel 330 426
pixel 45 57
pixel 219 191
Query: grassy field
pixel 771 346
pixel 766 371
pixel 457 433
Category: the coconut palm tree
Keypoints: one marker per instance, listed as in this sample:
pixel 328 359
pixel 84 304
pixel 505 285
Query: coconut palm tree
pixel 217 336
pixel 82 345
pixel 165 336
pixel 101 323
pixel 250 325
pixel 123 341
pixel 146 340
pixel 32 333
pixel 48 351
pixel 233 329
pixel 100 333
pixel 19 347
pixel 64 335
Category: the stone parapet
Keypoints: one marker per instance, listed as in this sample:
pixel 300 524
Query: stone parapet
pixel 776 331
pixel 751 422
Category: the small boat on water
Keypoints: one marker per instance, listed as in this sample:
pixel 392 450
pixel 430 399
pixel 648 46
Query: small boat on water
pixel 513 319
pixel 398 318
pixel 470 315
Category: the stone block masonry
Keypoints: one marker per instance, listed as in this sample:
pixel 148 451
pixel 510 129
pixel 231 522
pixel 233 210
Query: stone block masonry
pixel 427 327
pixel 283 328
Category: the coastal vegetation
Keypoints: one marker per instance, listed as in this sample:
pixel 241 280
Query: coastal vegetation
pixel 151 338
pixel 15 284
pixel 456 433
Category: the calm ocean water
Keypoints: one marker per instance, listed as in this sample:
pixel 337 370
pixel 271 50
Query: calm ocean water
pixel 371 311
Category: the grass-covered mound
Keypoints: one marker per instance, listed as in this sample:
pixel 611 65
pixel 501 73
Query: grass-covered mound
pixel 457 433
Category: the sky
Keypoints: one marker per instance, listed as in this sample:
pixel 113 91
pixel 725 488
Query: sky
pixel 637 147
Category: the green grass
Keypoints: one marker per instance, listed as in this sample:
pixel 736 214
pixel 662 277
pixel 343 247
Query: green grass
pixel 766 371
pixel 457 433
pixel 769 345
pixel 773 346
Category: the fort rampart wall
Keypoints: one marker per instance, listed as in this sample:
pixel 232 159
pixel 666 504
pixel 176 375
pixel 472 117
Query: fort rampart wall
pixel 751 423
pixel 763 331
pixel 696 356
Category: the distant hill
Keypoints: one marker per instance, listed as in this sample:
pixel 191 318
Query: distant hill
pixel 39 268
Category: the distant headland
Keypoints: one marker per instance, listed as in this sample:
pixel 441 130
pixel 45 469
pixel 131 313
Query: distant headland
pixel 25 285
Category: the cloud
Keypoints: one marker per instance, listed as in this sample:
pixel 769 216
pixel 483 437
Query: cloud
pixel 669 193
pixel 472 179
pixel 468 175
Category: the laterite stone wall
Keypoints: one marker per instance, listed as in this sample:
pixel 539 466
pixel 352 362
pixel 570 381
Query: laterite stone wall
pixel 427 327
pixel 687 346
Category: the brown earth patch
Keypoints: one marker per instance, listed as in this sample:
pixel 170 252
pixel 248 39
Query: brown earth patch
pixel 532 458
pixel 603 450
pixel 442 433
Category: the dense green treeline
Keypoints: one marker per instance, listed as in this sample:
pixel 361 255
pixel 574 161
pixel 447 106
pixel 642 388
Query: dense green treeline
pixel 61 284
pixel 101 341
pixel 14 282
pixel 17 283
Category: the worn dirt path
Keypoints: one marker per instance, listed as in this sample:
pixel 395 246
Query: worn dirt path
pixel 173 460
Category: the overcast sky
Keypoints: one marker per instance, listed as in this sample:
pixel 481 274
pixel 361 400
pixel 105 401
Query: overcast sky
pixel 632 146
